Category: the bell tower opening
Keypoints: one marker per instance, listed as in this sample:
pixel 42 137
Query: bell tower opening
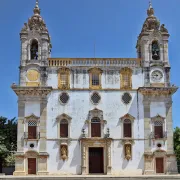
pixel 34 49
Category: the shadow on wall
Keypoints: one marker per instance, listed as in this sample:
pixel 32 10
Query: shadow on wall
pixel 76 160
pixel 141 163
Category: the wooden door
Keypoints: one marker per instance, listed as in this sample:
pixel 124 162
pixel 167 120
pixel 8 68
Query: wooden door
pixel 159 165
pixel 95 130
pixel 96 164
pixel 32 132
pixel 31 165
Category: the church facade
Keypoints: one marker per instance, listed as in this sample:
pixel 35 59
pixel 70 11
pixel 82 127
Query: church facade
pixel 94 115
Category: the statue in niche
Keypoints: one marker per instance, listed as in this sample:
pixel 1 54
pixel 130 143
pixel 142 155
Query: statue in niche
pixel 64 153
pixel 128 152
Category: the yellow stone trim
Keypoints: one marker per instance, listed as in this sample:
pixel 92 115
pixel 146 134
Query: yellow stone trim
pixel 65 71
pixel 33 75
pixel 126 72
pixel 95 71
pixel 157 84
pixel 32 84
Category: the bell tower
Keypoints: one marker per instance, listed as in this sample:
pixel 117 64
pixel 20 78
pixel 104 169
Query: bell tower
pixel 35 49
pixel 152 47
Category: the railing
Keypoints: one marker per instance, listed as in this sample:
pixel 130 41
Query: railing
pixel 94 62
pixel 31 136
pixel 154 136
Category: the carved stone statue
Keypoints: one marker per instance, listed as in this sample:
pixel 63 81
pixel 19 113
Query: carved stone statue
pixel 163 29
pixel 128 152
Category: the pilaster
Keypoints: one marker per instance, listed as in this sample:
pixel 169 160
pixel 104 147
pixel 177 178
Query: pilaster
pixel 42 128
pixel 169 126
pixel 147 129
pixel 21 114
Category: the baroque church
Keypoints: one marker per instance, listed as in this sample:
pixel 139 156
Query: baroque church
pixel 80 116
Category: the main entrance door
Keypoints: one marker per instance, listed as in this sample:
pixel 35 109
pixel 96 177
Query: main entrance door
pixel 96 164
pixel 159 165
pixel 31 165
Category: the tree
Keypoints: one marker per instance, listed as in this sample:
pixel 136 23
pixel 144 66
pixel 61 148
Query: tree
pixel 177 142
pixel 8 140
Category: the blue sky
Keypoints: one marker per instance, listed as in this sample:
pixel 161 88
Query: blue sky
pixel 74 26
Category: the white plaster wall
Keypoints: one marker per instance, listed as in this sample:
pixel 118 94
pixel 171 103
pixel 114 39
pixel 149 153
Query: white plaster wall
pixel 32 107
pixel 78 108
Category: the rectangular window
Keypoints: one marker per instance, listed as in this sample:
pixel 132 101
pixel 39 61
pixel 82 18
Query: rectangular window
pixel 126 80
pixel 32 132
pixel 95 79
pixel 64 130
pixel 64 79
pixel 127 130
pixel 158 130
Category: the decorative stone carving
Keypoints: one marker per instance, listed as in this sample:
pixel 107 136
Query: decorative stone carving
pixel 163 29
pixel 127 116
pixel 158 91
pixel 31 91
pixel 64 152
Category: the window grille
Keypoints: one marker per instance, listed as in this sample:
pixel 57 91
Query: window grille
pixel 95 79
pixel 32 123
pixel 126 98
pixel 64 79
pixel 95 98
pixel 64 97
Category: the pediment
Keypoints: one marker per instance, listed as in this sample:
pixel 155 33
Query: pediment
pixel 32 117
pixel 127 116
pixel 63 116
pixel 157 118
pixel 96 113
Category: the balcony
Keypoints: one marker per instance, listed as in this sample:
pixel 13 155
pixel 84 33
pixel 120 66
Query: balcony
pixel 31 136
pixel 158 135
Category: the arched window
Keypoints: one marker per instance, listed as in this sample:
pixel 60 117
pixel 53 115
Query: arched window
pixel 95 127
pixel 158 129
pixel 64 128
pixel 34 49
pixel 127 128
pixel 126 78
pixel 95 78
pixel 64 78
pixel 155 50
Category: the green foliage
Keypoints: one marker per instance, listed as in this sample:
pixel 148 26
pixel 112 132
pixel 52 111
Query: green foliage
pixel 177 142
pixel 10 160
pixel 8 140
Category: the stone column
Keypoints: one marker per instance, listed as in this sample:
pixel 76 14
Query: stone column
pixel 169 127
pixel 42 165
pixel 109 157
pixel 42 128
pixel 84 160
pixel 146 76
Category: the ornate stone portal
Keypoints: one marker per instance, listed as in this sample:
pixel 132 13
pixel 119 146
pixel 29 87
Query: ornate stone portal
pixel 105 143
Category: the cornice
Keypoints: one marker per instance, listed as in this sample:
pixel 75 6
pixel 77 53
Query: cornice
pixel 31 91
pixel 158 91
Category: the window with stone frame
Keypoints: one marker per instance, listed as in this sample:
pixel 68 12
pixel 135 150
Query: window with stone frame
pixel 95 78
pixel 126 78
pixel 127 128
pixel 64 79
pixel 95 127
pixel 158 129
pixel 32 129
pixel 34 49
pixel 64 128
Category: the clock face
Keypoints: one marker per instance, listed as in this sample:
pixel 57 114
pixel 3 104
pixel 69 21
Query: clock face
pixel 156 75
